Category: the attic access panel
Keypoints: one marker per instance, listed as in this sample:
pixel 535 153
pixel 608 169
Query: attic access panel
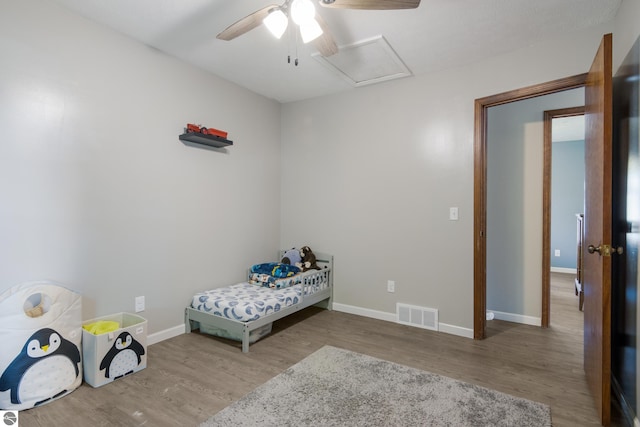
pixel 366 62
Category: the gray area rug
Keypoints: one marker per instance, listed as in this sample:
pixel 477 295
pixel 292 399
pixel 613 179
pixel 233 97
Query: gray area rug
pixel 336 387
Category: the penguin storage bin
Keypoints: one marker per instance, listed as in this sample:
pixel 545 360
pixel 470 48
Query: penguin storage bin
pixel 117 353
pixel 41 333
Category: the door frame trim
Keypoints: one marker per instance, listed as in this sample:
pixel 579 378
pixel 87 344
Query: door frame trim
pixel 481 107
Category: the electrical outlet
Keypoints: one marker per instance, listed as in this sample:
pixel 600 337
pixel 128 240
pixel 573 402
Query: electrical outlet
pixel 139 304
pixel 557 252
pixel 391 286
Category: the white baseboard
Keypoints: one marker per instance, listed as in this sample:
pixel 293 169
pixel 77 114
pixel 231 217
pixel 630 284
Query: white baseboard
pixel 391 317
pixel 166 334
pixel 359 311
pixel 366 312
pixel 517 318
pixel 563 270
pixel 455 330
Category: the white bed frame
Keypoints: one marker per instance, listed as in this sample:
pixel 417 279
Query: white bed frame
pixel 323 298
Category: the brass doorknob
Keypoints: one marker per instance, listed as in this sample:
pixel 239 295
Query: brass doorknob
pixel 592 249
pixel 605 250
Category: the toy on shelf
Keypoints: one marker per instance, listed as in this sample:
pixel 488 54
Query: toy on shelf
pixel 191 128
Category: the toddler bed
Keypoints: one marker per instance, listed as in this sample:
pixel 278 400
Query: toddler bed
pixel 245 311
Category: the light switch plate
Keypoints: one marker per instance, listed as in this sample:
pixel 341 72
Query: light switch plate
pixel 453 214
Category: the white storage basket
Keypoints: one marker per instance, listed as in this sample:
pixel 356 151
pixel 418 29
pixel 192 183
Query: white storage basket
pixel 115 354
pixel 41 333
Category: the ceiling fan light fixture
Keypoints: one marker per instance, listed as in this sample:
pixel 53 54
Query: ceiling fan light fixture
pixel 276 21
pixel 302 11
pixel 310 30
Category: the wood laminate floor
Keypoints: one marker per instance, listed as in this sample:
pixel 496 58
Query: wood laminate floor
pixel 191 377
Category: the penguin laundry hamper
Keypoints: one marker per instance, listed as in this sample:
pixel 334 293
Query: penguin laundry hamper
pixel 41 333
pixel 114 352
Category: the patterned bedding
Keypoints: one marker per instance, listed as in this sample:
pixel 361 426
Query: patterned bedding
pixel 246 302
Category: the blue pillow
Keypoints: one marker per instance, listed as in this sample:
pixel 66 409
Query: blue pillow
pixel 276 269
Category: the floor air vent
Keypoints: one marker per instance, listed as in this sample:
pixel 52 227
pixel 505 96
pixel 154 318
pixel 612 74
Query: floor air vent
pixel 421 317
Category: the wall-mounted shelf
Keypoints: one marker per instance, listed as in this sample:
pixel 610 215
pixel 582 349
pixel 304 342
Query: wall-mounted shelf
pixel 201 138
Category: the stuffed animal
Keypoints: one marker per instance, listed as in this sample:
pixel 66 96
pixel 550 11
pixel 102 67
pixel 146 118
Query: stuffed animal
pixel 293 257
pixel 309 261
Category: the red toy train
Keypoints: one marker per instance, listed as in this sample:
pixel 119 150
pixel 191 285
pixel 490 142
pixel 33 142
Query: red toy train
pixel 191 128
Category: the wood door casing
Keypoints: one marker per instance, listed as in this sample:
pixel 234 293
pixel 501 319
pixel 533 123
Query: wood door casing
pixel 482 106
pixel 598 204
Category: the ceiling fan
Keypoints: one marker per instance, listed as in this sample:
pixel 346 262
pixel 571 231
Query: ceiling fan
pixel 302 13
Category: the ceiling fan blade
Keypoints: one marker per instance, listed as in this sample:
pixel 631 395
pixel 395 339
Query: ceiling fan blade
pixel 325 43
pixel 371 4
pixel 246 24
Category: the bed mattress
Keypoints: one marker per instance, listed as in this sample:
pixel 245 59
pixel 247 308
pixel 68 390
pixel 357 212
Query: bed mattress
pixel 246 302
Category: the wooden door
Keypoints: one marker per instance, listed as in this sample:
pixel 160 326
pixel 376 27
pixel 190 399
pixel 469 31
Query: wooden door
pixel 597 260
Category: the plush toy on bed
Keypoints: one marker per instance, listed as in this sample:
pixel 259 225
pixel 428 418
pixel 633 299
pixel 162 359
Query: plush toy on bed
pixel 293 257
pixel 309 261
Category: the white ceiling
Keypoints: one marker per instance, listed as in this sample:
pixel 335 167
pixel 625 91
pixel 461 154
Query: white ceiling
pixel 568 128
pixel 439 34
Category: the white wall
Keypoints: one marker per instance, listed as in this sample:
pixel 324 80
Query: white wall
pixel 96 190
pixel 97 193
pixel 369 175
pixel 567 200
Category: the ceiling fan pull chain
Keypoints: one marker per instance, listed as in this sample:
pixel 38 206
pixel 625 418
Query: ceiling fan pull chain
pixel 288 43
pixel 296 41
pixel 292 37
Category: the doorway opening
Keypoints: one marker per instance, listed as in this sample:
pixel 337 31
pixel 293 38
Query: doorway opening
pixel 562 126
pixel 482 106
